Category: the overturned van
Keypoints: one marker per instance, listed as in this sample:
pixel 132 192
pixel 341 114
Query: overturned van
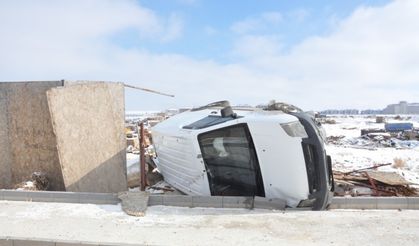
pixel 275 152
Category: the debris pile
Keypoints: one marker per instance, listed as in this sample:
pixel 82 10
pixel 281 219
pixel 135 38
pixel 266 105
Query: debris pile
pixel 370 182
pixel 336 140
pixel 152 175
pixel 326 120
pixel 378 138
pixel 38 181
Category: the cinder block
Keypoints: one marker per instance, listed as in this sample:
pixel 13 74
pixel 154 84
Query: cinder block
pixel 6 242
pixel 237 202
pixel 15 195
pixel 207 201
pixel 412 202
pixel 361 203
pixel 338 203
pixel 24 242
pixel 269 203
pixel 392 203
pixel 155 200
pixel 177 200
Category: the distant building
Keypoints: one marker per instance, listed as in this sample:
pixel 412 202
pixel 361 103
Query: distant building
pixel 372 111
pixel 402 108
pixel 341 111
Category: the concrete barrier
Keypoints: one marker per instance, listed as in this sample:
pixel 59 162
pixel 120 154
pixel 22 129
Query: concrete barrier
pixel 10 241
pixel 56 196
pixel 206 201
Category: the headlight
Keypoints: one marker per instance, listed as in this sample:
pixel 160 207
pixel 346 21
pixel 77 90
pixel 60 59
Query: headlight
pixel 294 129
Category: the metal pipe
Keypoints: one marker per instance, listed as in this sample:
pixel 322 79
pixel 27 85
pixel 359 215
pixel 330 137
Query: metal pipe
pixel 148 90
pixel 142 158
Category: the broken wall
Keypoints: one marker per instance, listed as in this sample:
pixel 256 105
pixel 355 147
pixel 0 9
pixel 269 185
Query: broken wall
pixel 27 140
pixel 89 124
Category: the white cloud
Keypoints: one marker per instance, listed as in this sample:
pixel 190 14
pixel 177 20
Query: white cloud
pixel 299 15
pixel 174 28
pixel 260 22
pixel 255 47
pixel 369 60
pixel 210 31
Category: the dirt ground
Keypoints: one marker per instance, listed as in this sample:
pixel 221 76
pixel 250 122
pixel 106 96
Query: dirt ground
pixel 200 226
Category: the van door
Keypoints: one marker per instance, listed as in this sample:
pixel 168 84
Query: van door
pixel 231 162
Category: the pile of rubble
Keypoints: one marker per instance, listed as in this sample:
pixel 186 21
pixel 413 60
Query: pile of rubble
pixel 38 181
pixel 370 182
pixel 379 138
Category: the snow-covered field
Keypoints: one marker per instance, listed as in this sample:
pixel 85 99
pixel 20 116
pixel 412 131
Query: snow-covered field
pixel 353 152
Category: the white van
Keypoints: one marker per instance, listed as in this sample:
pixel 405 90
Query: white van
pixel 276 152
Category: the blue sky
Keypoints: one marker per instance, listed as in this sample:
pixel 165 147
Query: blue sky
pixel 208 25
pixel 314 54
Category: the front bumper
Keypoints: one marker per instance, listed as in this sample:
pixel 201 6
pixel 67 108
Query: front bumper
pixel 318 165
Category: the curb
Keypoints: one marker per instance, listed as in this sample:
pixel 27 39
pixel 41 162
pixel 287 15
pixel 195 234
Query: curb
pixel 208 201
pixel 14 241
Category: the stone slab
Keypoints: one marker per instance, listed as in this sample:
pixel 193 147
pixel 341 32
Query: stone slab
pixel 134 203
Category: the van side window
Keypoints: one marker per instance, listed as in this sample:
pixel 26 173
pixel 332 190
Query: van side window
pixel 231 162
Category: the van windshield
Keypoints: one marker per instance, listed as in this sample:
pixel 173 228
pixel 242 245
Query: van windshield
pixel 231 162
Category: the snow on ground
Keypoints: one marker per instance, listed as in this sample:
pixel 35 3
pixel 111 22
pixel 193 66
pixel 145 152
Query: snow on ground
pixel 355 153
pixel 132 159
pixel 207 226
